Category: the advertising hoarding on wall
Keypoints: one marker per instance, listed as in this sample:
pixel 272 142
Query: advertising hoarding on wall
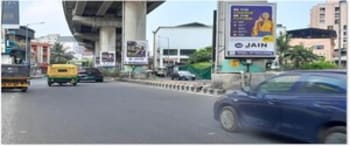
pixel 10 14
pixel 136 52
pixel 107 58
pixel 251 31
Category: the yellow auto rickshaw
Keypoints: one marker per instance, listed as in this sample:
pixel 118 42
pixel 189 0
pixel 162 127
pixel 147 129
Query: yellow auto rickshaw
pixel 62 73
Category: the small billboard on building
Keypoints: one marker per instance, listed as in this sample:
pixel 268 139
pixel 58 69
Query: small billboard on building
pixel 136 52
pixel 10 14
pixel 251 31
pixel 107 58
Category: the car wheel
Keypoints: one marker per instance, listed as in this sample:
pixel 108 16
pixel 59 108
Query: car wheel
pixel 49 83
pixel 24 89
pixel 335 134
pixel 228 119
pixel 74 83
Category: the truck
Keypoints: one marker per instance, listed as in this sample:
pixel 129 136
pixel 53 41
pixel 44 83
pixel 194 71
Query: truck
pixel 15 76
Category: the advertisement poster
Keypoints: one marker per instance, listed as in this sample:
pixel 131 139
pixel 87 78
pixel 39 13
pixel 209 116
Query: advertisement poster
pixel 136 52
pixel 97 60
pixel 10 14
pixel 251 31
pixel 107 58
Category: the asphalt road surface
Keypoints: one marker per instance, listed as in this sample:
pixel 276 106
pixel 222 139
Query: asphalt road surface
pixel 114 112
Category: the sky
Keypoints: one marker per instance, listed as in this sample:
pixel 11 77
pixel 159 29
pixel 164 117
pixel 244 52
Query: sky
pixel 293 14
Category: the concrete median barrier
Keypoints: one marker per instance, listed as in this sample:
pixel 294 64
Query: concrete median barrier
pixel 189 87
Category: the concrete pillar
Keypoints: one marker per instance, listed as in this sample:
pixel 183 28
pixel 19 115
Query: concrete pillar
pixel 134 22
pixel 96 52
pixel 107 39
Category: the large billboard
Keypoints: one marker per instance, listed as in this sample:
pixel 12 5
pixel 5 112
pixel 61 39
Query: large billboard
pixel 136 52
pixel 10 14
pixel 251 31
pixel 107 58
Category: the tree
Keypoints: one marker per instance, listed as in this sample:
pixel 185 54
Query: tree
pixel 300 55
pixel 59 55
pixel 283 46
pixel 201 55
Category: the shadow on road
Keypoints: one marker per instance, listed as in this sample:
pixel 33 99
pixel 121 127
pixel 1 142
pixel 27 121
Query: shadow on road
pixel 272 136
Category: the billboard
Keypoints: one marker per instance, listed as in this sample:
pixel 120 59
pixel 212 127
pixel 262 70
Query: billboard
pixel 107 58
pixel 136 52
pixel 251 31
pixel 10 14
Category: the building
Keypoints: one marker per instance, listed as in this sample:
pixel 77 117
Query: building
pixel 15 45
pixel 280 30
pixel 322 41
pixel 40 54
pixel 331 15
pixel 174 44
pixel 69 43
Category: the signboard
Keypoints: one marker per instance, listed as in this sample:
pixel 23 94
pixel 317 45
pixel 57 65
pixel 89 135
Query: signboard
pixel 251 31
pixel 10 14
pixel 107 58
pixel 136 52
pixel 97 60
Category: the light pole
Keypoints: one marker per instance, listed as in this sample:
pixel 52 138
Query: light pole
pixel 27 25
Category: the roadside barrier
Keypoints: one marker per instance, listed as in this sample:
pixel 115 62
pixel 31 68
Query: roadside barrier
pixel 179 86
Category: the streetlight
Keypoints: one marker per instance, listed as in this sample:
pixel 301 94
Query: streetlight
pixel 27 25
pixel 168 47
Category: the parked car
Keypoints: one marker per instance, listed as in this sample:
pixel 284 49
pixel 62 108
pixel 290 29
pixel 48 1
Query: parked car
pixel 90 74
pixel 183 75
pixel 161 72
pixel 306 105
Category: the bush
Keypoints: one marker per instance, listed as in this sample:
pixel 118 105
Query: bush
pixel 319 65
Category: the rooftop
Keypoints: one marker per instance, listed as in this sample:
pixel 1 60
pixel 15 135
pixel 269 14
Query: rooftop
pixel 312 33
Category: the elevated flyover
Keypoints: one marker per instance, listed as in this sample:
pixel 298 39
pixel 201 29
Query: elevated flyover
pixel 103 25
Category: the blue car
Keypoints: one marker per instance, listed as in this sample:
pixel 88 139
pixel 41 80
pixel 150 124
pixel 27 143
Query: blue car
pixel 306 105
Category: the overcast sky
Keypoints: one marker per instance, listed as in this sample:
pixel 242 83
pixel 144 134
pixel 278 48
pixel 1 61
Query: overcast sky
pixel 294 14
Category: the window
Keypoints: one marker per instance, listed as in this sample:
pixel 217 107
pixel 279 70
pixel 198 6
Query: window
pixel 319 47
pixel 322 10
pixel 337 16
pixel 345 27
pixel 322 21
pixel 172 52
pixel 337 9
pixel 344 33
pixel 330 27
pixel 278 84
pixel 336 21
pixel 323 84
pixel 187 52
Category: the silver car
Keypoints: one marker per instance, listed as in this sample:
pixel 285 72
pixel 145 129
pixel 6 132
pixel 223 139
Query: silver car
pixel 183 75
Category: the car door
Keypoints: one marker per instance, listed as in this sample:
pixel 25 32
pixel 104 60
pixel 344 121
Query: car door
pixel 303 113
pixel 261 109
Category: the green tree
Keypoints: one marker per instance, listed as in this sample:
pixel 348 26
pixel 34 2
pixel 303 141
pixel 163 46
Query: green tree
pixel 282 47
pixel 59 55
pixel 299 55
pixel 201 55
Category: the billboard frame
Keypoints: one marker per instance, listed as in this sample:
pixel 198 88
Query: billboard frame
pixel 228 36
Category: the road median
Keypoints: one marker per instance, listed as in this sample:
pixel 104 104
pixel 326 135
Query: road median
pixel 183 86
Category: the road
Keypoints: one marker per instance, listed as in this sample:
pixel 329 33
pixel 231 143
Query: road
pixel 114 112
